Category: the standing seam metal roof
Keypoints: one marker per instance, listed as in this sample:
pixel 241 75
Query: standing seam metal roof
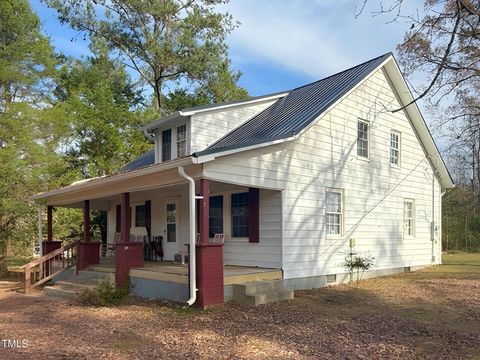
pixel 292 113
pixel 286 117
pixel 144 160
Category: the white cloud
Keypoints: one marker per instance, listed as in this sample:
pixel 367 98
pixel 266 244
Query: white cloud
pixel 315 38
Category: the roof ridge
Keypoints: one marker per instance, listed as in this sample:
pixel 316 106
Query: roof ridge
pixel 292 113
pixel 343 71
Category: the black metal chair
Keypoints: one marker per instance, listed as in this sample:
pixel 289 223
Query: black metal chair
pixel 156 246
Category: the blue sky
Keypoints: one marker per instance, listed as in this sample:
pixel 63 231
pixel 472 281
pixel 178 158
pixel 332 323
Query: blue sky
pixel 282 44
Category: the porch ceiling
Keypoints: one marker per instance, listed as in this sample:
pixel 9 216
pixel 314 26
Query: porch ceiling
pixel 100 191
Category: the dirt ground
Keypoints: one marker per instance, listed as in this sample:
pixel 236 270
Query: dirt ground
pixel 430 314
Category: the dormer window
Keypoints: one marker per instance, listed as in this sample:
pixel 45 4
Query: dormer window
pixel 167 145
pixel 181 141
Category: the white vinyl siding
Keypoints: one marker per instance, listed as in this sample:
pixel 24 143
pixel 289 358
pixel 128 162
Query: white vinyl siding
pixel 395 148
pixel 208 127
pixel 265 253
pixel 362 139
pixel 324 156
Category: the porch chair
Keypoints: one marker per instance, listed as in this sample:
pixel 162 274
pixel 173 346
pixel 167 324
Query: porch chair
pixel 218 239
pixel 111 246
pixel 181 257
pixel 138 234
pixel 156 247
pixel 137 238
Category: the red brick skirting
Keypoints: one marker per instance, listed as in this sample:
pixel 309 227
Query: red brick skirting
pixel 209 274
pixel 127 256
pixel 88 253
pixel 49 246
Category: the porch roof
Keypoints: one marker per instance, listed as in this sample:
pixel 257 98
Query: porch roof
pixel 150 177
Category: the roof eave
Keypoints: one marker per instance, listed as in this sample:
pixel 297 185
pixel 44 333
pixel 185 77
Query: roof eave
pixel 420 125
pixel 114 178
pixel 192 111
pixel 202 156
pixel 406 97
pixel 155 124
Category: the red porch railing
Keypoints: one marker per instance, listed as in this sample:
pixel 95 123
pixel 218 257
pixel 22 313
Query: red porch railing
pixel 48 266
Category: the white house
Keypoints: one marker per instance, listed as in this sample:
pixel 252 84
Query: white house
pixel 288 178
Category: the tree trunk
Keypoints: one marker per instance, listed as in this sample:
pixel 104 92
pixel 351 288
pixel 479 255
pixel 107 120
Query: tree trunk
pixel 466 230
pixel 158 92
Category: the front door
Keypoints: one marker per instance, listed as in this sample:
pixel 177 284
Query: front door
pixel 171 229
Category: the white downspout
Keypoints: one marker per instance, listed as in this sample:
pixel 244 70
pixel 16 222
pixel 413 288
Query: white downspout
pixel 193 237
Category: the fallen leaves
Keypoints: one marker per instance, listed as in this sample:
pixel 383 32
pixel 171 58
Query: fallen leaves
pixel 400 317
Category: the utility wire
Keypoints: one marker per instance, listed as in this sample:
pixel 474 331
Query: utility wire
pixel 352 228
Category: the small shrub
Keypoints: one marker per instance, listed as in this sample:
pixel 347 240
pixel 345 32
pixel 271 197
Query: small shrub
pixel 105 294
pixel 357 262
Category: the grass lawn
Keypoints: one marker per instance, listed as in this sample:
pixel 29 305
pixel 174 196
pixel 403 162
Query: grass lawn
pixel 428 314
pixel 461 259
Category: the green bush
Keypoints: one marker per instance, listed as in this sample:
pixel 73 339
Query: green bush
pixel 356 261
pixel 105 294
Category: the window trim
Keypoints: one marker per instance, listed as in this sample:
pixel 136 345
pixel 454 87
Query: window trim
pixel 414 220
pixel 342 213
pixel 179 141
pixel 399 134
pixel 177 220
pixel 360 157
pixel 222 213
pixel 231 216
pixel 134 214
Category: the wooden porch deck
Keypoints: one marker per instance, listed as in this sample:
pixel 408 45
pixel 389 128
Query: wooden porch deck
pixel 168 271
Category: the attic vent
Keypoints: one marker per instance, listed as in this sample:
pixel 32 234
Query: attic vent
pixel 331 278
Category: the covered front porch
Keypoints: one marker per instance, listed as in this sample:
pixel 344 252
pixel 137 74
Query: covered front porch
pixel 167 280
pixel 178 273
pixel 158 205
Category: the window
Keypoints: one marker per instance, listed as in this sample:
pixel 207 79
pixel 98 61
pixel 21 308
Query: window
pixel 394 148
pixel 409 217
pixel 181 141
pixel 362 139
pixel 171 223
pixel 167 145
pixel 140 215
pixel 215 216
pixel 334 211
pixel 240 215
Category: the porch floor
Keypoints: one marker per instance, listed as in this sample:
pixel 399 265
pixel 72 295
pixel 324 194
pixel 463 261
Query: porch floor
pixel 168 271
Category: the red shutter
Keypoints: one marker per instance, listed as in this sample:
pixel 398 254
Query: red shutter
pixel 118 219
pixel 253 215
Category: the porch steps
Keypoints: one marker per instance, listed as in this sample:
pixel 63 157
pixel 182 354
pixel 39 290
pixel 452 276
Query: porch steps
pixel 74 284
pixel 261 292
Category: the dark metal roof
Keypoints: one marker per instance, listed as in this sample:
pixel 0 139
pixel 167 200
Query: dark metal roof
pixel 142 161
pixel 292 113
